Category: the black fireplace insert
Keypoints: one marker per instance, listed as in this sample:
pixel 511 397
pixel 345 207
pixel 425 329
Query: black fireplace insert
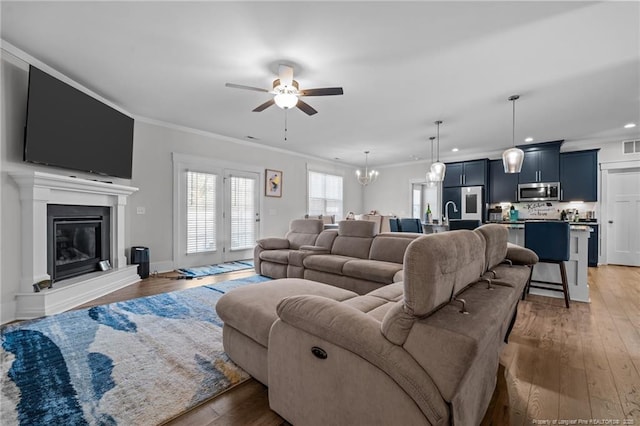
pixel 78 238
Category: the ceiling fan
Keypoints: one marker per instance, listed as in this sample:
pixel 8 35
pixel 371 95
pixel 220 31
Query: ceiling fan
pixel 287 92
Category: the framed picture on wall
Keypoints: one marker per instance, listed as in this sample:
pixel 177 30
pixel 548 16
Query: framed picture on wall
pixel 273 183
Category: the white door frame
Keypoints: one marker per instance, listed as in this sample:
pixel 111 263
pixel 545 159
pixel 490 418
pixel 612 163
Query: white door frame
pixel 182 162
pixel 606 168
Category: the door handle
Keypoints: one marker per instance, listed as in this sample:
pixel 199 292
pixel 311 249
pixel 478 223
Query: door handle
pixel 610 221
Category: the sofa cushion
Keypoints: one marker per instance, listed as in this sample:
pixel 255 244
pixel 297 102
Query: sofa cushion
pixel 276 256
pixel 389 248
pixel 251 309
pixel 352 246
pixel 303 232
pixel 373 270
pixel 326 262
pixel 357 228
pixel 436 268
pixel 495 237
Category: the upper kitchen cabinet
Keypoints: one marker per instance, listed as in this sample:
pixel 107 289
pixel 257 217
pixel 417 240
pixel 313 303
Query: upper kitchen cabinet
pixel 579 176
pixel 541 163
pixel 467 173
pixel 503 187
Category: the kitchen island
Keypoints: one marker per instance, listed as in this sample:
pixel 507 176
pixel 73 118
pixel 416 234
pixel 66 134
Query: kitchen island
pixel 576 265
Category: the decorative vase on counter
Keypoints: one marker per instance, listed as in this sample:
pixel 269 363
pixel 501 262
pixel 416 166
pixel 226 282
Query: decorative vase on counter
pixel 513 214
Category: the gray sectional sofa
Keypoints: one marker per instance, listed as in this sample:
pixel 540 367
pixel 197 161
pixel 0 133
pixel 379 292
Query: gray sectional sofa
pixel 354 257
pixel 423 351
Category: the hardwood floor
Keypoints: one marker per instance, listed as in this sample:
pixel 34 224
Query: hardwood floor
pixel 577 364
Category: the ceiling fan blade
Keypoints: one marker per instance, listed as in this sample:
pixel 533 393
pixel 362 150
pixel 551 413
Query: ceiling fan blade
pixel 305 107
pixel 325 91
pixel 285 74
pixel 264 106
pixel 242 86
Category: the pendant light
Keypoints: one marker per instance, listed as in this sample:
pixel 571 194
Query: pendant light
pixel 369 176
pixel 513 157
pixel 438 168
pixel 431 176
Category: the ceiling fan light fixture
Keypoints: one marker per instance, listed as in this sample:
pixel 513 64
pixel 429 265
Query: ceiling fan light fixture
pixel 513 157
pixel 286 100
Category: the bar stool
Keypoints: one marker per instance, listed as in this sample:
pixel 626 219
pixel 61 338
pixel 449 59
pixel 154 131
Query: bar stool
pixel 550 241
pixel 410 225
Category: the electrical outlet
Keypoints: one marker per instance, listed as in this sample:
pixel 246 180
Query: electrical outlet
pixel 141 210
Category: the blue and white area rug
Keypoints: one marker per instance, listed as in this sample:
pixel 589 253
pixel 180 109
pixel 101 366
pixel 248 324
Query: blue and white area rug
pixel 138 362
pixel 202 271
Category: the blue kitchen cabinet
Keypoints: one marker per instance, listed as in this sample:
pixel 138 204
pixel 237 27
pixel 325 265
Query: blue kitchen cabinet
pixel 503 187
pixel 541 163
pixel 455 195
pixel 579 175
pixel 467 173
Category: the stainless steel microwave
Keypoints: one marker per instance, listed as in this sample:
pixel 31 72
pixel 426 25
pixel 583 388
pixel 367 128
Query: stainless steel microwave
pixel 539 191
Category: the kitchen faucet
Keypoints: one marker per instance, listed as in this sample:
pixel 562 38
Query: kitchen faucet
pixel 446 211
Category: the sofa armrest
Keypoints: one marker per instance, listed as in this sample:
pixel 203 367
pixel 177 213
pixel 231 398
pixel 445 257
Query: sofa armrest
pixel 521 255
pixel 273 243
pixel 359 333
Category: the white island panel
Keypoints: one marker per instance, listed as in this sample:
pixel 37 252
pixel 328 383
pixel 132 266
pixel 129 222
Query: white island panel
pixel 576 265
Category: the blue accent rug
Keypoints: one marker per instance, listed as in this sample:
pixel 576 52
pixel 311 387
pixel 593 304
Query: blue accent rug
pixel 138 362
pixel 202 271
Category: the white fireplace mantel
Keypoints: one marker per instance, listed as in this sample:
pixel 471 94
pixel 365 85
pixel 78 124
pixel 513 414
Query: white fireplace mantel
pixel 37 190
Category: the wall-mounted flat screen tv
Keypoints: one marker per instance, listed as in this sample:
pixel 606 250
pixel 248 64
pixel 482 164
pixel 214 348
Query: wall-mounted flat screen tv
pixel 70 129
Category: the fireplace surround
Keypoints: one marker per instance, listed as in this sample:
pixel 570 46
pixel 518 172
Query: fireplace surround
pixel 38 193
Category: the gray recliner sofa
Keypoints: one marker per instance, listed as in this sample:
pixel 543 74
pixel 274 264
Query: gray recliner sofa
pixel 354 257
pixel 422 352
pixel 271 255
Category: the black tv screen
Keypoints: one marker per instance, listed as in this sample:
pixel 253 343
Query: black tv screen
pixel 70 129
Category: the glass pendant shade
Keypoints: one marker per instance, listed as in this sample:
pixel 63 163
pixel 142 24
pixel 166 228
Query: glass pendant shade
pixel 512 160
pixel 438 169
pixel 286 100
pixel 513 157
pixel 431 179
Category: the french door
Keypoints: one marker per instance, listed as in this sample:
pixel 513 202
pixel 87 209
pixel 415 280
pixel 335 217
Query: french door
pixel 217 215
pixel 241 215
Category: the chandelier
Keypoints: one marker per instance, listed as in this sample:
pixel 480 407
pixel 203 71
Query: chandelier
pixel 369 176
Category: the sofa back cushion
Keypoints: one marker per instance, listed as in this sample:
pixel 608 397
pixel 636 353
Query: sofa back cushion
pixel 389 248
pixel 436 268
pixel 303 232
pixel 354 238
pixel 496 238
pixel 326 238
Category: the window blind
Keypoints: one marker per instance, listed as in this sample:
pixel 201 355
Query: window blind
pixel 201 212
pixel 325 194
pixel 243 210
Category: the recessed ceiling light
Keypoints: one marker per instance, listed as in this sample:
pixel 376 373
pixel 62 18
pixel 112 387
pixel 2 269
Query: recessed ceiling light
pixel 630 125
pixel 455 150
pixel 253 138
pixel 529 139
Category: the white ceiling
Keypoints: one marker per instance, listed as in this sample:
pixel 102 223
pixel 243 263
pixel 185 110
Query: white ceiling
pixel 402 65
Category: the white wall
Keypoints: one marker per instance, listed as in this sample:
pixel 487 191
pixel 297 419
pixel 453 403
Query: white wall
pixel 153 174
